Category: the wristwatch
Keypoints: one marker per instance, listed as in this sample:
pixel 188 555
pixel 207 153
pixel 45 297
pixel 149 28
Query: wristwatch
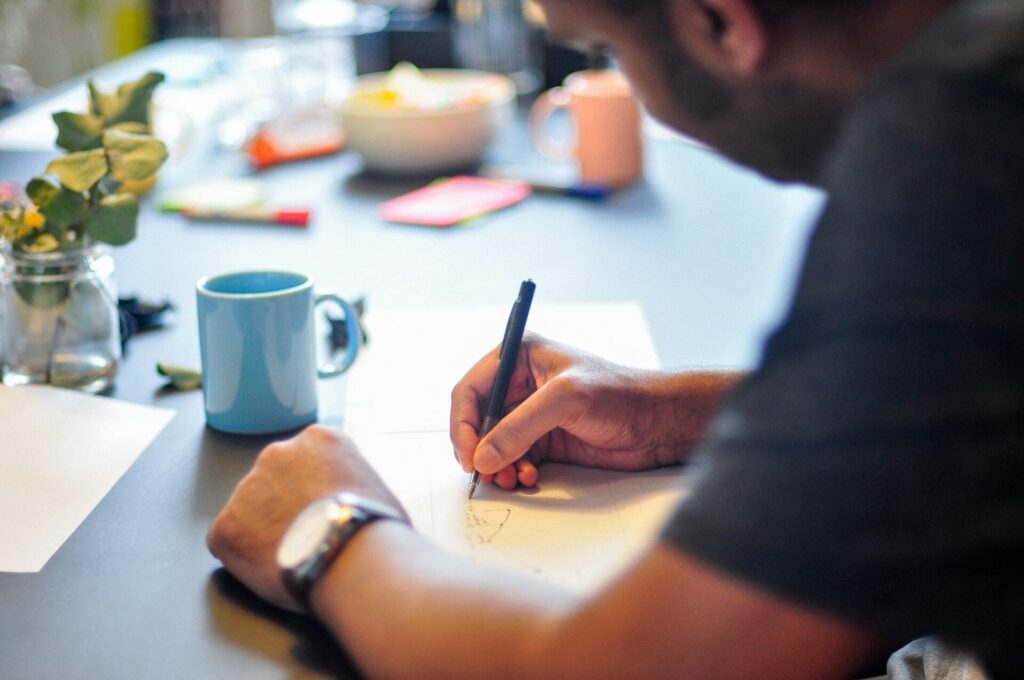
pixel 318 534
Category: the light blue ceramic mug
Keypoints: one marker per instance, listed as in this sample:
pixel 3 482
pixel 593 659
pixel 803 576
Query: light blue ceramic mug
pixel 258 350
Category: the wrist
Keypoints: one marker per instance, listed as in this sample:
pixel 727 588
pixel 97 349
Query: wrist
pixel 331 594
pixel 680 407
pixel 319 535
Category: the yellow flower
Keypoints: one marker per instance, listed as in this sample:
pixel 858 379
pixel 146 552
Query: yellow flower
pixel 31 221
pixel 34 219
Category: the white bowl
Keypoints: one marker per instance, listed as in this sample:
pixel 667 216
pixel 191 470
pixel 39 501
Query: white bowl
pixel 414 142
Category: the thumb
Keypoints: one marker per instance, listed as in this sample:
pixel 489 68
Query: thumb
pixel 556 404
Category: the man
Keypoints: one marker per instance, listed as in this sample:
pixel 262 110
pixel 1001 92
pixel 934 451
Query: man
pixel 862 487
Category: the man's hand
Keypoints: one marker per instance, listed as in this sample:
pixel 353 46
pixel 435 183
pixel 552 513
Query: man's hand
pixel 568 406
pixel 287 476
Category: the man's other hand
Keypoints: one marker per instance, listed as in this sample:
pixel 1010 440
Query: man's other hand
pixel 287 476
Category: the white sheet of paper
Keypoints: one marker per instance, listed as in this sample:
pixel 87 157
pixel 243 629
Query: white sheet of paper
pixel 60 453
pixel 578 529
pixel 403 379
pixel 580 526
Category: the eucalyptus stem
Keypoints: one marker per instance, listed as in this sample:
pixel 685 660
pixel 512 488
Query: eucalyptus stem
pixel 51 359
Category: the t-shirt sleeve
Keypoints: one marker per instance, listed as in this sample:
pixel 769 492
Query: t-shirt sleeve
pixel 873 464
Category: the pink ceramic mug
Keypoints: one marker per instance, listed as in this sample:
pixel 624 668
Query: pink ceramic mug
pixel 606 115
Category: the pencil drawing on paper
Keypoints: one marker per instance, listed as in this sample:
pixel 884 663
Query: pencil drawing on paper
pixel 483 526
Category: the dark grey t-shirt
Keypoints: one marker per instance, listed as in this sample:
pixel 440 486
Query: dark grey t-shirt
pixel 873 464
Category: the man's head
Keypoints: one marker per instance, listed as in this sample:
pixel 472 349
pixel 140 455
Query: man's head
pixel 766 82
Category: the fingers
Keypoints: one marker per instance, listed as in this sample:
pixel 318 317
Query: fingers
pixel 466 413
pixel 528 422
pixel 506 478
pixel 557 404
pixel 527 472
pixel 521 473
pixel 470 395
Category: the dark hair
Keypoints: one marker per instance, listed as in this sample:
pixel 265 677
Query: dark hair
pixel 701 94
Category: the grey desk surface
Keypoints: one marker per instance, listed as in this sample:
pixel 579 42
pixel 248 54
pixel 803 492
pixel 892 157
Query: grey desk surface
pixel 709 250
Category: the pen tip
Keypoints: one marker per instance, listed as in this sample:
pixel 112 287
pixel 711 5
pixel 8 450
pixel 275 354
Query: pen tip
pixel 472 490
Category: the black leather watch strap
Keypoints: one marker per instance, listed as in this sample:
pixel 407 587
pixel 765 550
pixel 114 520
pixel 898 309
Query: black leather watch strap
pixel 361 512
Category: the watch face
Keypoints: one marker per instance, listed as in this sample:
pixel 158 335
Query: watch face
pixel 310 533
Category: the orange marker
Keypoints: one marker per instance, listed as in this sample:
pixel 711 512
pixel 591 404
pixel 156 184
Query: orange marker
pixel 295 137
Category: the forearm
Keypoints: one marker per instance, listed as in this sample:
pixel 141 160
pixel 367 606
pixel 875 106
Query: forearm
pixel 679 407
pixel 403 607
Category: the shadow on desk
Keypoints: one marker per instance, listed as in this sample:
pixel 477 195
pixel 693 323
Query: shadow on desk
pixel 383 187
pixel 251 624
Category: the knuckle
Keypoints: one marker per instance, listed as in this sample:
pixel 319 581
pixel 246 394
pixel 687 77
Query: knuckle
pixel 216 538
pixel 273 451
pixel 213 537
pixel 321 435
pixel 572 391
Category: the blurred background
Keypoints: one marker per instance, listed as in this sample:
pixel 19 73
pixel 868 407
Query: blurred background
pixel 46 42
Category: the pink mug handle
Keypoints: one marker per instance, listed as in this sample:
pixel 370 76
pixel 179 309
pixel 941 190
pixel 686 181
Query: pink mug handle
pixel 547 104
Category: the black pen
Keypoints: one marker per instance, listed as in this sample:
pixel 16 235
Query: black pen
pixel 507 356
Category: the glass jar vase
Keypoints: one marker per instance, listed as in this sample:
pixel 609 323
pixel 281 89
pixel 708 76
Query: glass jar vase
pixel 60 320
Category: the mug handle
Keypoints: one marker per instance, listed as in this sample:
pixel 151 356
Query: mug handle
pixel 540 114
pixel 355 335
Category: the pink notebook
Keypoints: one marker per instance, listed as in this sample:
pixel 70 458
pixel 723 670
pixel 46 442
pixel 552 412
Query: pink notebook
pixel 453 200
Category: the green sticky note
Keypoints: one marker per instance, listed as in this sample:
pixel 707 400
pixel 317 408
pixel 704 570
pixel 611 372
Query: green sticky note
pixel 223 193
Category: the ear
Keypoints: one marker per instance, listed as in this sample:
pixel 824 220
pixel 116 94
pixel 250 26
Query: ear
pixel 726 35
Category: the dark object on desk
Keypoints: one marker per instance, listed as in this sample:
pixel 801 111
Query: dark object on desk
pixel 591 192
pixel 138 317
pixel 339 333
pixel 145 315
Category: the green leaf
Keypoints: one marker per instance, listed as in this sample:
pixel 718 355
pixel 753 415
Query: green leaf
pixel 59 205
pixel 100 103
pixel 78 131
pixel 41 191
pixel 114 220
pixel 130 103
pixel 135 97
pixel 133 157
pixel 180 378
pixel 80 170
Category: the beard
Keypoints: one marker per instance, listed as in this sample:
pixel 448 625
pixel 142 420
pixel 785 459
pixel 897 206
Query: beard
pixel 781 129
